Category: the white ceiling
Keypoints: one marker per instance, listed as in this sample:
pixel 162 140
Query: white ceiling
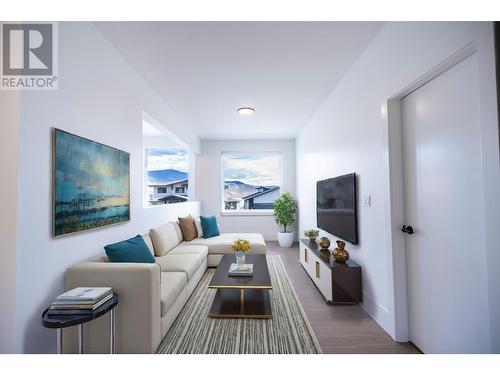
pixel 206 70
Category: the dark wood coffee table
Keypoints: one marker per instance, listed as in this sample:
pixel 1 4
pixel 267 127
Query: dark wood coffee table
pixel 241 296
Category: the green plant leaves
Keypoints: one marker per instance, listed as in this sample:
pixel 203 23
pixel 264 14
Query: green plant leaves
pixel 285 208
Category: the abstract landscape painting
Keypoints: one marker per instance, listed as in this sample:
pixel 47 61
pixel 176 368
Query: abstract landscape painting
pixel 91 184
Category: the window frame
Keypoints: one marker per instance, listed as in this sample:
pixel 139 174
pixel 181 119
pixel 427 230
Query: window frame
pixel 247 212
pixel 179 188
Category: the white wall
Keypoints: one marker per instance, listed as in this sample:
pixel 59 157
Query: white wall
pixel 100 97
pixel 209 183
pixel 349 134
pixel 9 153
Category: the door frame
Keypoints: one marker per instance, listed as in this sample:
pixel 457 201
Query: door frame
pixel 396 206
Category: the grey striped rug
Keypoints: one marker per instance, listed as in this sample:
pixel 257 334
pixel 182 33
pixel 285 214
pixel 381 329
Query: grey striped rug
pixel 288 332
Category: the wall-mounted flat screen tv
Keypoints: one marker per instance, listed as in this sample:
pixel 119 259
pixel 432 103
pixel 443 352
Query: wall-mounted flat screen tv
pixel 336 207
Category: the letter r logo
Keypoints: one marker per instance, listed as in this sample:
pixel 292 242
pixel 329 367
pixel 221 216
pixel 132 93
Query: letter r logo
pixel 27 49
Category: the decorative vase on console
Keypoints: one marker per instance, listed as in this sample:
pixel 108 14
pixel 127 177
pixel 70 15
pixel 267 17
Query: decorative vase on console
pixel 340 253
pixel 324 243
pixel 240 248
pixel 311 234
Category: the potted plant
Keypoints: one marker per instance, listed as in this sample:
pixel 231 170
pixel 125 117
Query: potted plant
pixel 312 234
pixel 284 214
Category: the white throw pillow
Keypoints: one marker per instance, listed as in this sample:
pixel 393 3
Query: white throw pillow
pixel 178 231
pixel 199 229
pixel 164 238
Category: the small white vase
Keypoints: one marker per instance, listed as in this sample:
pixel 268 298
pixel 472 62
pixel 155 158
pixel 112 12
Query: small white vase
pixel 240 258
pixel 286 239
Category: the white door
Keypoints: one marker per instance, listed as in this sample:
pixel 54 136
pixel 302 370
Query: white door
pixel 444 205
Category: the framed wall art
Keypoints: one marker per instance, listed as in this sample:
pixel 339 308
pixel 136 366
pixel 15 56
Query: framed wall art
pixel 91 184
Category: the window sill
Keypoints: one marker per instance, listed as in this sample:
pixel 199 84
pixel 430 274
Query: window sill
pixel 145 205
pixel 247 213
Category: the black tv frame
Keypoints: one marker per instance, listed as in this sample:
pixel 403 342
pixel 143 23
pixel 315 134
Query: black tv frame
pixel 354 187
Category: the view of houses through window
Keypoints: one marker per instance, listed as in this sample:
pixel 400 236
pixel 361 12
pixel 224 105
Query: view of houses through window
pixel 167 176
pixel 251 181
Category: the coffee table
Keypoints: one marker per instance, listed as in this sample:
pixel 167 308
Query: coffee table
pixel 241 296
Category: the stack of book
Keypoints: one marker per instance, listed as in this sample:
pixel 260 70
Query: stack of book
pixel 243 270
pixel 80 301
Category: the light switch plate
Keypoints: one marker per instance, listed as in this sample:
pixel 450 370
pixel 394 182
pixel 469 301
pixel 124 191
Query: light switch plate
pixel 367 201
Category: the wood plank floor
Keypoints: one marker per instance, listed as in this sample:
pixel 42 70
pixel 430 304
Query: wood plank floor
pixel 340 329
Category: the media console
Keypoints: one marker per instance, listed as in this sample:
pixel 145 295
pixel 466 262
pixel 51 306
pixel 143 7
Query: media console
pixel 340 283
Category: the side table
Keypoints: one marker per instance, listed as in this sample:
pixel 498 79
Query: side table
pixel 70 320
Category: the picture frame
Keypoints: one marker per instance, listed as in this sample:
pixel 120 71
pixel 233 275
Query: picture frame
pixel 90 184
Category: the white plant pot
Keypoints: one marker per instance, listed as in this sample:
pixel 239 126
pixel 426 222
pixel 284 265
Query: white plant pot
pixel 286 239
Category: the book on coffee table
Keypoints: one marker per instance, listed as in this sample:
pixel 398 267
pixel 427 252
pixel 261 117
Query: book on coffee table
pixel 236 270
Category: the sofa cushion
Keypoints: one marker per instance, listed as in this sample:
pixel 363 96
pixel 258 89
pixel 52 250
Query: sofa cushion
pixel 199 229
pixel 190 249
pixel 209 226
pixel 172 284
pixel 164 238
pixel 133 250
pixel 188 228
pixel 187 263
pixel 222 244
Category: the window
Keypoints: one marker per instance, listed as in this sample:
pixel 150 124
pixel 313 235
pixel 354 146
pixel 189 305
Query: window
pixel 166 176
pixel 251 181
pixel 180 190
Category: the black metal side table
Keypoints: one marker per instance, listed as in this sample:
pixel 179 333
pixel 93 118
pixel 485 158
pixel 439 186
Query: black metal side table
pixel 70 320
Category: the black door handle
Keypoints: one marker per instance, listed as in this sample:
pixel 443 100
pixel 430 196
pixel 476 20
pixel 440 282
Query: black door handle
pixel 407 229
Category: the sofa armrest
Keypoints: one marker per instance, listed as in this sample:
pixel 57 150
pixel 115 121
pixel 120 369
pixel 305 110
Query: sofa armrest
pixel 138 313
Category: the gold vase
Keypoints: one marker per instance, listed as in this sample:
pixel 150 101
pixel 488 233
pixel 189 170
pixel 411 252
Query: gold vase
pixel 324 243
pixel 340 253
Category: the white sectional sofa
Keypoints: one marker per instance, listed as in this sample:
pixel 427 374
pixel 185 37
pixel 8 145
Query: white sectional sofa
pixel 151 295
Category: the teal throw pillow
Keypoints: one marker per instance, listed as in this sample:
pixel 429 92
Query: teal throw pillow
pixel 209 226
pixel 133 250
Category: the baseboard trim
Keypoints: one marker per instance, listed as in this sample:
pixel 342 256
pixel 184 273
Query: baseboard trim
pixel 379 314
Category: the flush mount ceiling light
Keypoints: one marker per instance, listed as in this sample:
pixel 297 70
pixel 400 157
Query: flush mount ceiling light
pixel 246 111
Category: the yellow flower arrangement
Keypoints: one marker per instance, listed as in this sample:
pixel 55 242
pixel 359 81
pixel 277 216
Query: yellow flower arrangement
pixel 240 245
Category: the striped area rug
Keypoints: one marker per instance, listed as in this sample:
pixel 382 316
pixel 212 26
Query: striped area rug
pixel 288 332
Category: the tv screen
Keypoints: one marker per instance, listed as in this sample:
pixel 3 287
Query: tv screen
pixel 336 207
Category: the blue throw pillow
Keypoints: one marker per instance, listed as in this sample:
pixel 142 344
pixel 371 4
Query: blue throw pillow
pixel 209 226
pixel 133 250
